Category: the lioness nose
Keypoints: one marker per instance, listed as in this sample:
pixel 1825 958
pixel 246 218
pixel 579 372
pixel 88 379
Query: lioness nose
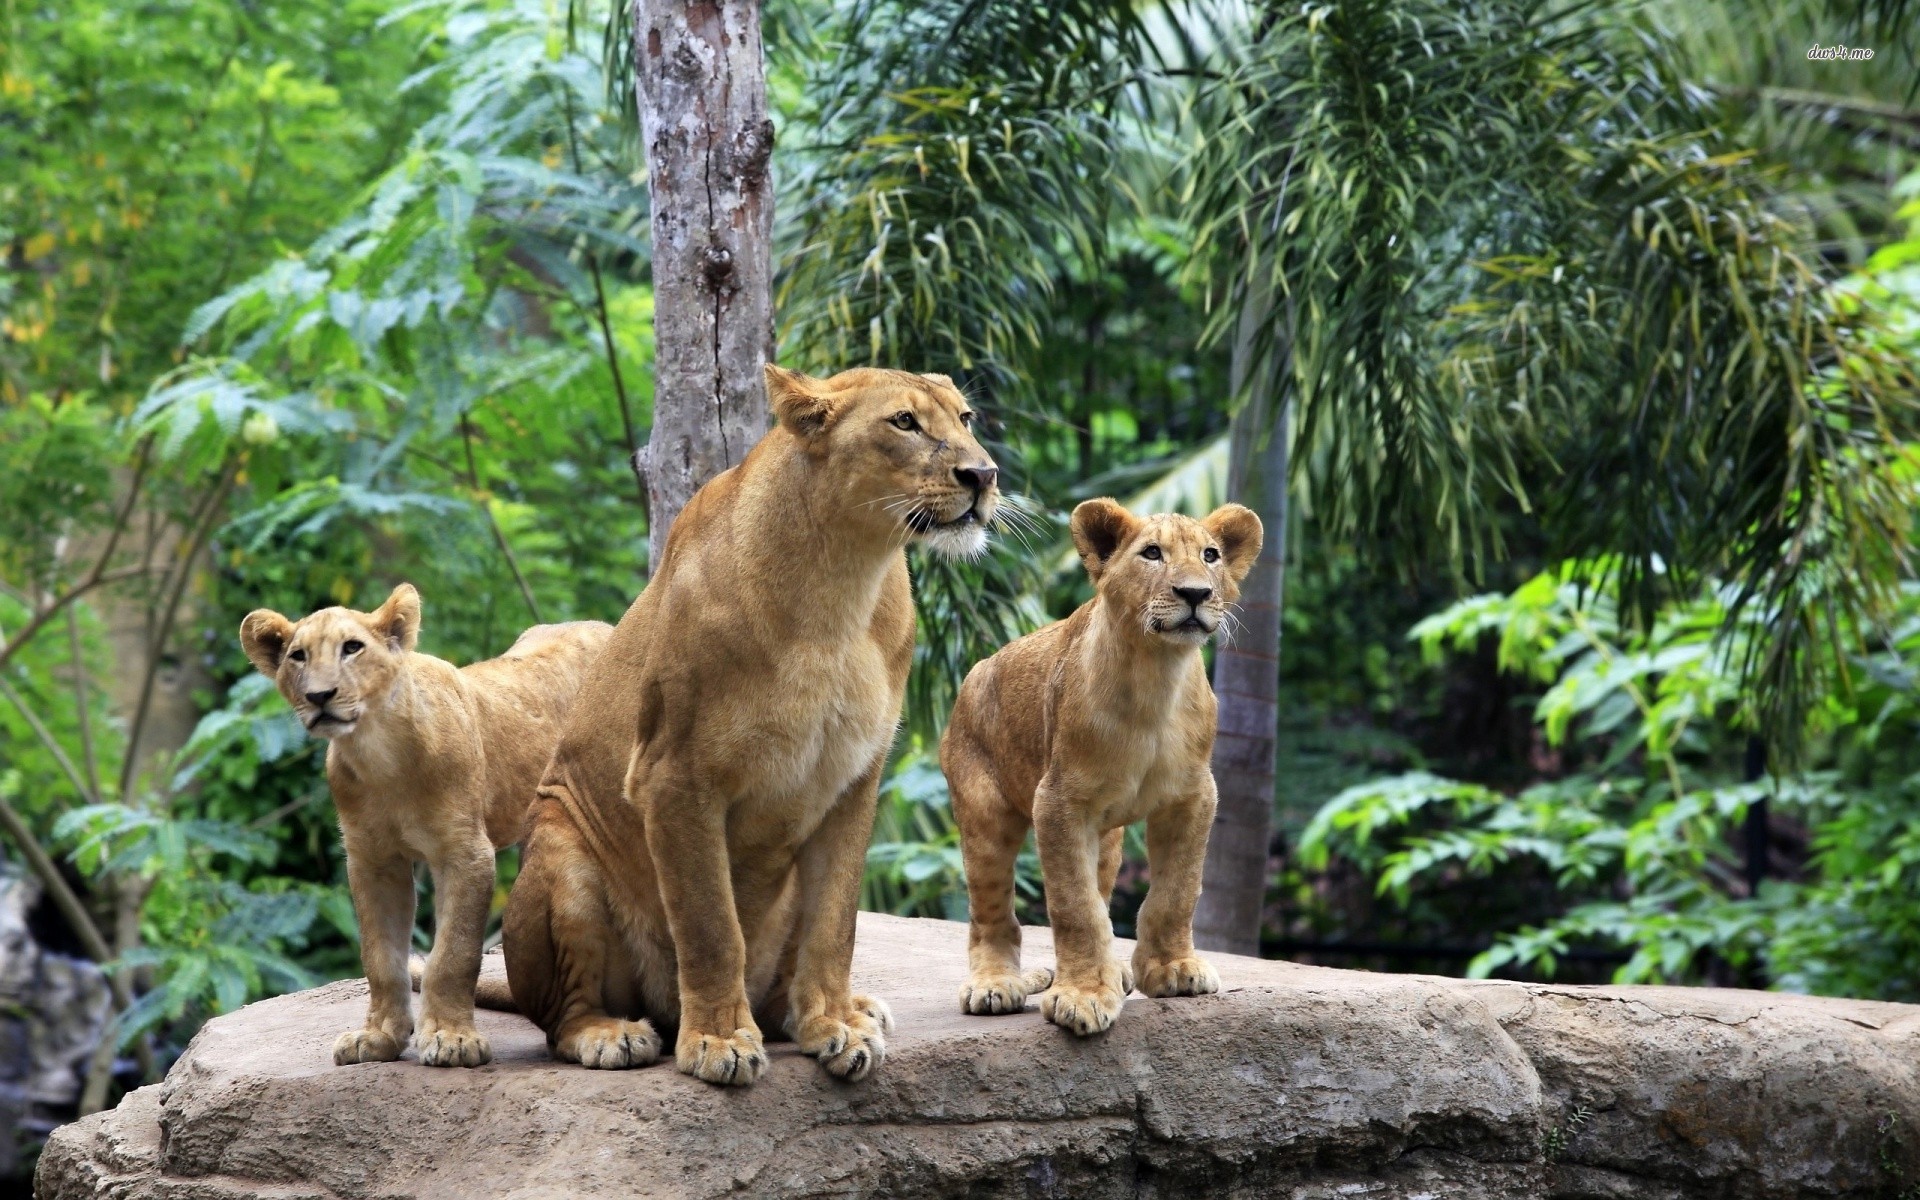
pixel 1195 596
pixel 319 699
pixel 976 479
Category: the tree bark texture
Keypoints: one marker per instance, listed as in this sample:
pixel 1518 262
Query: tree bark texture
pixel 703 105
pixel 1246 670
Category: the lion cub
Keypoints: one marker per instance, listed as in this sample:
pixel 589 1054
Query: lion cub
pixel 427 763
pixel 1086 726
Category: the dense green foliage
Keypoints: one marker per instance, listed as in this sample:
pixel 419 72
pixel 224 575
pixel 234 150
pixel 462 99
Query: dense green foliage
pixel 300 301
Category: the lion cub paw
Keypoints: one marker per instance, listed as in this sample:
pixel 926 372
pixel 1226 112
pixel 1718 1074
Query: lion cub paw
pixel 739 1059
pixel 1188 976
pixel 1082 1010
pixel 452 1046
pixel 850 1047
pixel 366 1045
pixel 612 1045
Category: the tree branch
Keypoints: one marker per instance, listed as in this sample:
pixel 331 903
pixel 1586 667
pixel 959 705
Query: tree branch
pixel 176 585
pixel 499 535
pixel 97 574
pixel 47 739
pixel 89 758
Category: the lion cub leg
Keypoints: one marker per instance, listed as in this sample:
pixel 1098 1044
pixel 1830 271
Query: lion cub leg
pixel 1112 843
pixel 991 831
pixel 847 1033
pixel 1164 960
pixel 462 892
pixel 1088 988
pixel 382 888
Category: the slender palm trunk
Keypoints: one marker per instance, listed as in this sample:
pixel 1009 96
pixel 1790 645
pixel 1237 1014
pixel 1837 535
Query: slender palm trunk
pixel 1246 671
pixel 703 105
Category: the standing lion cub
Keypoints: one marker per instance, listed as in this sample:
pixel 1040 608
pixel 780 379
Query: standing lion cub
pixel 1082 728
pixel 427 763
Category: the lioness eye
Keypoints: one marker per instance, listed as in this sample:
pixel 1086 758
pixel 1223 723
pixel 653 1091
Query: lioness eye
pixel 298 656
pixel 904 420
pixel 1151 554
pixel 347 648
pixel 966 418
pixel 1210 554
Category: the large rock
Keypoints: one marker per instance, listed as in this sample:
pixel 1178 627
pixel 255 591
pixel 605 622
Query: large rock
pixel 1296 1081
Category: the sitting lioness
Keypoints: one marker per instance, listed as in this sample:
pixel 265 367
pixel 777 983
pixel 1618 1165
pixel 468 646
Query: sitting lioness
pixel 427 763
pixel 695 853
pixel 1082 728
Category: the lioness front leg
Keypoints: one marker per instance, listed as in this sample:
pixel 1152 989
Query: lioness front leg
pixel 847 1033
pixel 687 840
pixel 1087 989
pixel 462 893
pixel 1164 961
pixel 382 888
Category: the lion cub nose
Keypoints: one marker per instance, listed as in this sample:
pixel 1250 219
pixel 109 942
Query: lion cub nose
pixel 319 699
pixel 976 479
pixel 1196 596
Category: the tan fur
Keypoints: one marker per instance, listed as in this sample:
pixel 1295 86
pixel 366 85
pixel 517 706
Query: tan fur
pixel 427 763
pixel 696 848
pixel 1082 728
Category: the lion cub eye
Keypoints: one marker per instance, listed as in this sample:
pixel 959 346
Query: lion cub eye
pixel 904 420
pixel 347 648
pixel 298 656
pixel 1210 554
pixel 1151 554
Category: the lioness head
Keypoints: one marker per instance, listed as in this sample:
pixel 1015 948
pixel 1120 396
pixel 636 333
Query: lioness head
pixel 1178 574
pixel 336 665
pixel 903 458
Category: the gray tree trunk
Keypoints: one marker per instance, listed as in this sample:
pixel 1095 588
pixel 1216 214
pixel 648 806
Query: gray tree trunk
pixel 703 107
pixel 1246 671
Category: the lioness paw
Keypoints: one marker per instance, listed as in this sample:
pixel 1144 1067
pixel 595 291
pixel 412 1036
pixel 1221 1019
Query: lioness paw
pixel 612 1045
pixel 1083 1011
pixel 991 995
pixel 366 1045
pixel 849 1047
pixel 1187 976
pixel 876 1010
pixel 737 1060
pixel 453 1047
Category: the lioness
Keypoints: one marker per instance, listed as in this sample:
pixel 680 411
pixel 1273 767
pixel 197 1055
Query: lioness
pixel 426 763
pixel 695 853
pixel 1084 727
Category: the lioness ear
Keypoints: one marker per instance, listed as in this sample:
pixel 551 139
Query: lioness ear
pixel 797 401
pixel 1100 527
pixel 1240 535
pixel 264 635
pixel 398 620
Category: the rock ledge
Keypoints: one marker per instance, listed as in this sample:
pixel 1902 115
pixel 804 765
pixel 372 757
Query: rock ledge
pixel 1296 1081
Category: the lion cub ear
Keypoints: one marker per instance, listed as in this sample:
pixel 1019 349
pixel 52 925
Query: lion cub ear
pixel 797 401
pixel 398 620
pixel 1101 527
pixel 264 635
pixel 1240 534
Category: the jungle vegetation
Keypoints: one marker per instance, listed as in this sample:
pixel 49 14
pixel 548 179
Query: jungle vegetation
pixel 1568 349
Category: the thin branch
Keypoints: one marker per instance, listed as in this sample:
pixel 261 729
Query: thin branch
pixel 97 574
pixel 47 740
pixel 606 327
pixel 173 589
pixel 89 758
pixel 499 536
